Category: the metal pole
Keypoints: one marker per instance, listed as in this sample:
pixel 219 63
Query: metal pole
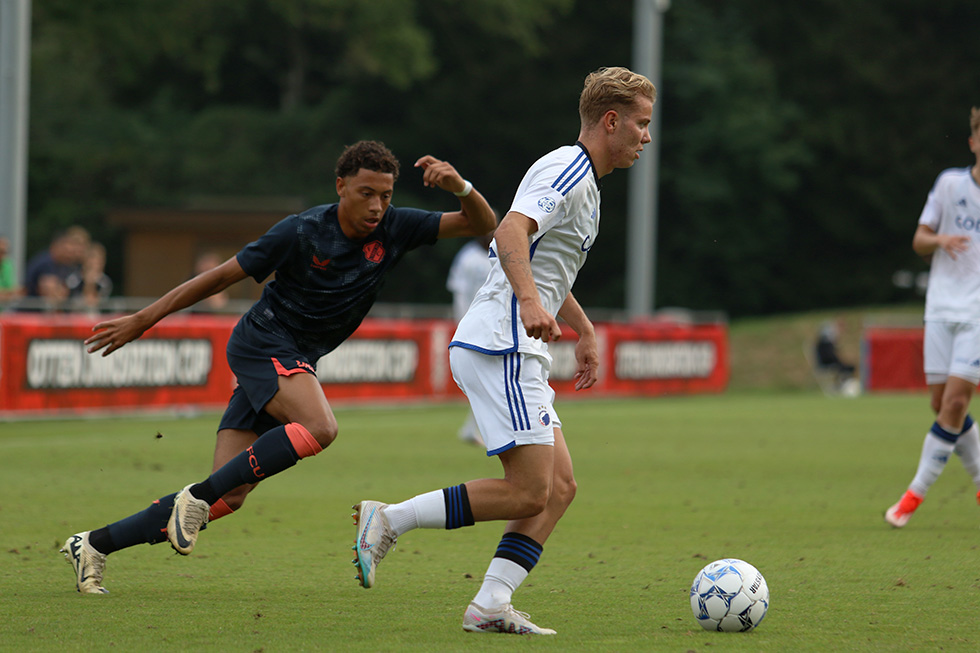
pixel 641 254
pixel 15 38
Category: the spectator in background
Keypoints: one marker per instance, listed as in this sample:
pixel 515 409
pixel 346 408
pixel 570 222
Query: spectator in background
pixel 218 301
pixel 90 285
pixel 48 271
pixel 828 358
pixel 466 275
pixel 9 290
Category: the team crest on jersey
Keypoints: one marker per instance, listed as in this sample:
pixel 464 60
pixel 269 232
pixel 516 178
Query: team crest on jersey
pixel 374 251
pixel 544 417
pixel 318 264
pixel 547 204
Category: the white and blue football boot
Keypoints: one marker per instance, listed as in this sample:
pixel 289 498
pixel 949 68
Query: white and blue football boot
pixel 375 538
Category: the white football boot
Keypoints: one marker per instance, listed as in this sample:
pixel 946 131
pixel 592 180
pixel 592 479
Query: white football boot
pixel 503 620
pixel 189 515
pixel 89 564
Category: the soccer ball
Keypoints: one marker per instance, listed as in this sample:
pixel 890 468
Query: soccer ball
pixel 729 595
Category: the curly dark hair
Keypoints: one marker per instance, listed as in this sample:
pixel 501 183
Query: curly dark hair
pixel 370 155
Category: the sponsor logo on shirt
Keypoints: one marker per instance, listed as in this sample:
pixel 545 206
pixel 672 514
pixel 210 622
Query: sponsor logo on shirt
pixel 547 204
pixel 318 264
pixel 374 251
pixel 968 223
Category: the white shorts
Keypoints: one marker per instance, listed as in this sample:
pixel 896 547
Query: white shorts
pixel 951 349
pixel 510 397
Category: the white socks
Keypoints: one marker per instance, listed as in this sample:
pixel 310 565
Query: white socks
pixel 423 511
pixel 502 578
pixel 935 455
pixel 968 449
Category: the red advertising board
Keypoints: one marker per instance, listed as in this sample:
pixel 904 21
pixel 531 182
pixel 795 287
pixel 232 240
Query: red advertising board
pixel 892 359
pixel 44 366
pixel 45 369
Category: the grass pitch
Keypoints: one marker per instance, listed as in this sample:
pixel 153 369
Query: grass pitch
pixel 794 483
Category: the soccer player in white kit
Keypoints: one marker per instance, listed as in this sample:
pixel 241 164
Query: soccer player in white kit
pixel 949 232
pixel 499 356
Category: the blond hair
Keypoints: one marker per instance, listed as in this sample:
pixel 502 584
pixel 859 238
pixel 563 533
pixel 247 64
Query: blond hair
pixel 614 87
pixel 974 120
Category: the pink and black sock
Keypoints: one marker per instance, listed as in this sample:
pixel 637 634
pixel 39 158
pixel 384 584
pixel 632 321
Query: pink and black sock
pixel 276 450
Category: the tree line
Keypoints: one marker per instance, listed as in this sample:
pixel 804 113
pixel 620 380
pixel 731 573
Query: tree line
pixel 799 140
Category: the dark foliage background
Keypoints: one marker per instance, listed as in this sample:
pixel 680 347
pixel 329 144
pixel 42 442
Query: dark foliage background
pixel 799 140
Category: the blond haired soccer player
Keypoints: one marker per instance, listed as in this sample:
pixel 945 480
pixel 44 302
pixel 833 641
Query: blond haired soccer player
pixel 330 263
pixel 499 356
pixel 949 232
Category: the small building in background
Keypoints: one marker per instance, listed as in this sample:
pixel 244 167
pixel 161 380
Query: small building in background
pixel 161 245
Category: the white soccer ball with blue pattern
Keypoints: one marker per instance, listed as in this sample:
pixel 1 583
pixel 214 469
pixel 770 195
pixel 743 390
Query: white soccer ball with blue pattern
pixel 729 595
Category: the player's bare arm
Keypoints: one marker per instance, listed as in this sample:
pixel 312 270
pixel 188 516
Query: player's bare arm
pixel 475 216
pixel 113 334
pixel 587 348
pixel 926 241
pixel 514 254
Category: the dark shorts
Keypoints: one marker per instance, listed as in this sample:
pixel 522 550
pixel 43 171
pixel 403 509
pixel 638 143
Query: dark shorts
pixel 258 358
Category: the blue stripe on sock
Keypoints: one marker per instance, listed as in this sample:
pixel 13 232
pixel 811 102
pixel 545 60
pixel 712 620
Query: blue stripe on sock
pixel 452 509
pixel 967 424
pixel 458 512
pixel 943 434
pixel 520 549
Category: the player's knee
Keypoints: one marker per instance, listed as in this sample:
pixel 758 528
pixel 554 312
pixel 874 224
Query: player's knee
pixel 323 430
pixel 308 441
pixel 533 506
pixel 564 491
pixel 532 501
pixel 325 434
pixel 955 407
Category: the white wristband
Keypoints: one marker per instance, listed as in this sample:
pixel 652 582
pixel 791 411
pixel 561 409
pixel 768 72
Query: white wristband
pixel 467 187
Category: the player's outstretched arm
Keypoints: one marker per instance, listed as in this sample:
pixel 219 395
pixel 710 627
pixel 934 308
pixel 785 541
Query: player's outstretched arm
pixel 587 348
pixel 475 216
pixel 113 334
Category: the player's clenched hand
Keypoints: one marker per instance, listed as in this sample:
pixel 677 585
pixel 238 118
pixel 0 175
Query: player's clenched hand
pixel 586 363
pixel 441 174
pixel 539 323
pixel 114 334
pixel 953 244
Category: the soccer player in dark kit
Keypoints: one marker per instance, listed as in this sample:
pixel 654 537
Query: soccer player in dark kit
pixel 329 263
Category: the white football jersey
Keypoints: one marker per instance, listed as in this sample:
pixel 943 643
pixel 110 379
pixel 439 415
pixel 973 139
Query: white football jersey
pixel 953 207
pixel 560 192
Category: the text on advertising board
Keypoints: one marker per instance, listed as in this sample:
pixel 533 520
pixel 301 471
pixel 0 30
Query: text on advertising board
pixel 144 363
